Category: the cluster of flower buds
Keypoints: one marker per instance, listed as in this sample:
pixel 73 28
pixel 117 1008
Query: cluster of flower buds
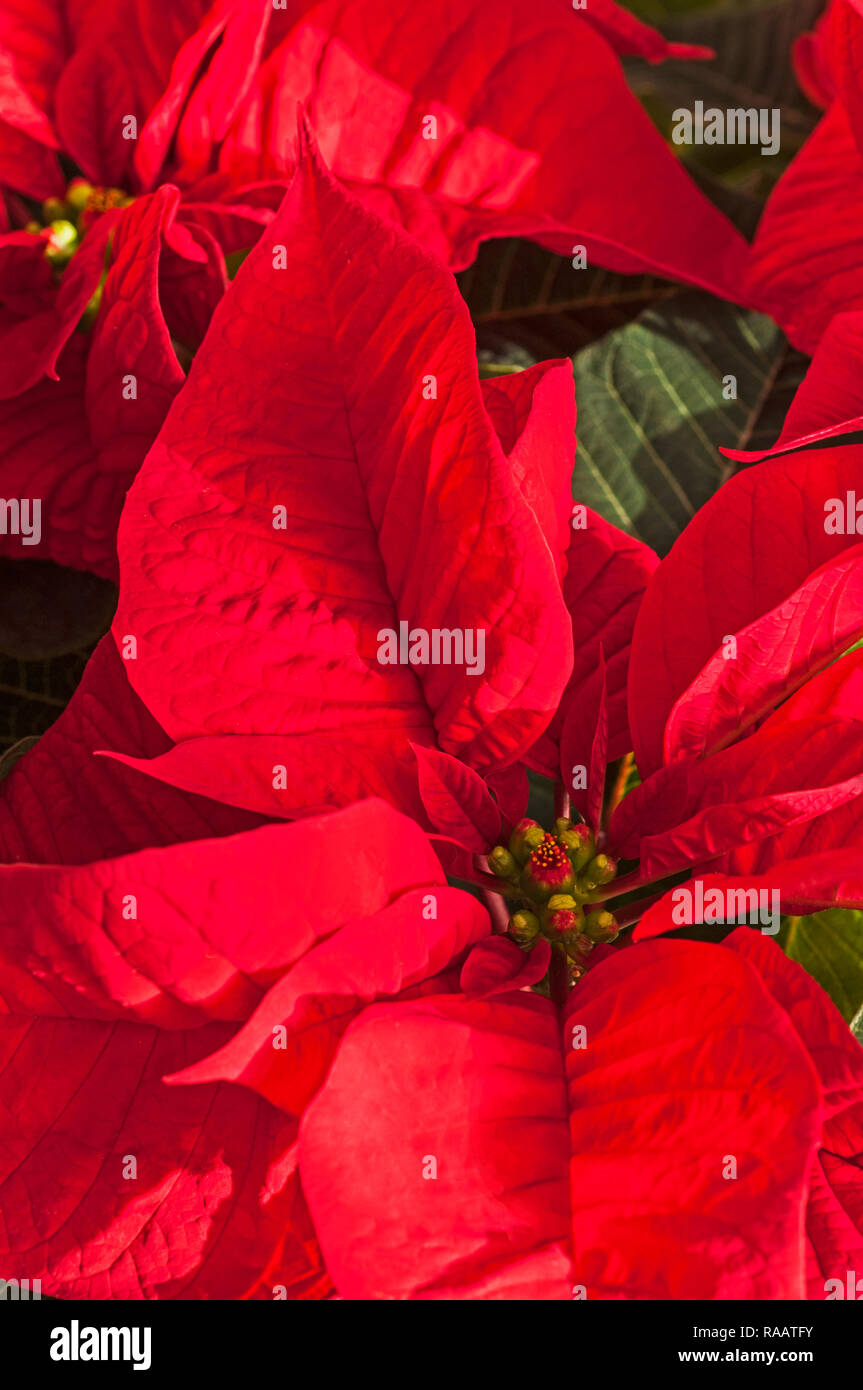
pixel 555 879
pixel 65 220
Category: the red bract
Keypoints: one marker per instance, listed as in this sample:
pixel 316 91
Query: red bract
pixel 813 218
pixel 75 442
pixel 439 118
pixel 518 1153
pixel 743 709
pixel 207 100
pixel 61 804
pixel 387 492
pixel 116 1186
pixel 194 965
pixel 80 409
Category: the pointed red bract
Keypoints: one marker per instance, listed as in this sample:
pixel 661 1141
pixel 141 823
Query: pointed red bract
pixel 506 156
pixel 286 1047
pixel 117 1186
pixel 457 801
pixel 497 965
pixel 606 576
pixel 829 400
pixel 413 516
pixel 61 804
pixel 815 881
pixel 745 552
pixel 806 263
pixel 113 1187
pixel 155 937
pixel 773 655
pixel 834 1211
pixel 787 774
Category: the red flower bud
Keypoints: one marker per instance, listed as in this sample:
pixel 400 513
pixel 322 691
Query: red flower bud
pixel 528 834
pixel 548 870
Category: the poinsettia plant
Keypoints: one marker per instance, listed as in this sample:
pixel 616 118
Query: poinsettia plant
pixel 446 880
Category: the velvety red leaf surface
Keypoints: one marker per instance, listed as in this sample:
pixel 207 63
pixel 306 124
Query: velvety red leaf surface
pixel 117 1186
pixel 774 655
pixel 61 804
pixel 834 1210
pixel 420 935
pixel 771 521
pixel 397 507
pixel 812 218
pixel 815 880
pixel 510 157
pixel 209 1208
pixel 196 932
pixel 607 573
pixel 553 1165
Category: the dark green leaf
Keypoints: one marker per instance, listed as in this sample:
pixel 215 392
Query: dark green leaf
pixel 520 294
pixel 652 410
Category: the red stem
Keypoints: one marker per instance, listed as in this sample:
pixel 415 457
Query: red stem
pixel 497 911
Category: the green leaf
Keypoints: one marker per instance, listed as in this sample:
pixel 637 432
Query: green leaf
pixel 829 946
pixel 652 410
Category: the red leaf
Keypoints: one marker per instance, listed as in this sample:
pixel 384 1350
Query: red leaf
pixel 774 655
pixel 277 775
pixel 786 774
pixel 829 400
pixel 214 1189
pixel 412 517
pixel 533 413
pixel 400 947
pixel 627 1199
pixel 60 804
pixel 187 934
pixel 510 156
pixel 792 237
pixel 813 882
pixel 834 1213
pixel 511 788
pixel 607 573
pixel 457 800
pixel 498 966
pixel 629 35
pixel 771 520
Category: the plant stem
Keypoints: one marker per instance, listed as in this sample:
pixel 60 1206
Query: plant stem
pixel 497 911
pixel 558 977
pixel 634 911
